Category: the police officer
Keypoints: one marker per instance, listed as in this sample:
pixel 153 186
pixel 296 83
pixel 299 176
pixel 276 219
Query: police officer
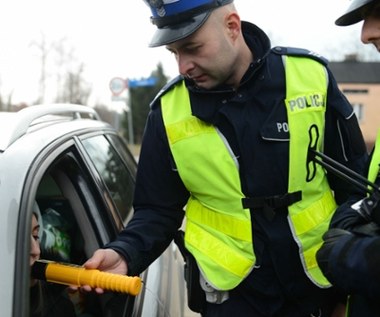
pixel 350 256
pixel 228 140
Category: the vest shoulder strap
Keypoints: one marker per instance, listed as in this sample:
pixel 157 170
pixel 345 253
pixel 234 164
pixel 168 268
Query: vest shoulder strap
pixel 294 51
pixel 165 89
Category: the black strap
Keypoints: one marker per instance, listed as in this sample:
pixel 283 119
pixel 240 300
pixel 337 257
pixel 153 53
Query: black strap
pixel 269 204
pixel 274 202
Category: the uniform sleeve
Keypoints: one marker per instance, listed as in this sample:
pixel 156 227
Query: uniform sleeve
pixel 352 262
pixel 159 199
pixel 347 216
pixel 344 141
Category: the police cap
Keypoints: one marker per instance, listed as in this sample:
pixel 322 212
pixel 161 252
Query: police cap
pixel 354 13
pixel 177 19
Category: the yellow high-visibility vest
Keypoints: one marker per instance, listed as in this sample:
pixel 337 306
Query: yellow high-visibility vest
pixel 375 161
pixel 218 229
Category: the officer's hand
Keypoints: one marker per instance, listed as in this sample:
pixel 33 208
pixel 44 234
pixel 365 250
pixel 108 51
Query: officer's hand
pixel 333 238
pixel 106 260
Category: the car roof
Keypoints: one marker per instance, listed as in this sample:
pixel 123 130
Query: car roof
pixel 16 124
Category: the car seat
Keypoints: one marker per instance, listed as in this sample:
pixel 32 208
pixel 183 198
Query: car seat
pixel 55 236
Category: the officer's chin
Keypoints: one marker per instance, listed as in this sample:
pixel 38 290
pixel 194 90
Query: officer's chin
pixel 205 83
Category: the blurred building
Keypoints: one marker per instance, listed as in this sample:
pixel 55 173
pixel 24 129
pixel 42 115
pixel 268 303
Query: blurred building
pixel 360 82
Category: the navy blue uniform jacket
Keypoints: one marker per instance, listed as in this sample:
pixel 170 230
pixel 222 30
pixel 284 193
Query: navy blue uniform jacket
pixel 355 269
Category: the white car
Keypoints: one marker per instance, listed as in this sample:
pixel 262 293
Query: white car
pixel 81 175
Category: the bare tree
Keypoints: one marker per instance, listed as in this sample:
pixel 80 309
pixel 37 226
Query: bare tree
pixel 75 88
pixel 59 58
pixel 44 50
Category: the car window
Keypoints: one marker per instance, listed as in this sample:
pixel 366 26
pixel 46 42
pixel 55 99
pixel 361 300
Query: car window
pixel 117 177
pixel 121 147
pixel 75 220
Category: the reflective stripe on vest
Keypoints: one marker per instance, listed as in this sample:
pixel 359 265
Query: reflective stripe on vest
pixel 375 161
pixel 218 229
pixel 306 82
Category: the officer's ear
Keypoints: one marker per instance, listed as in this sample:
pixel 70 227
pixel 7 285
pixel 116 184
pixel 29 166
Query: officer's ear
pixel 233 25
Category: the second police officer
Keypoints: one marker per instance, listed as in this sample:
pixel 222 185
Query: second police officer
pixel 350 256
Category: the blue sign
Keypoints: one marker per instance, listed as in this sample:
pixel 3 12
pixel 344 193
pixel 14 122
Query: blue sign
pixel 150 81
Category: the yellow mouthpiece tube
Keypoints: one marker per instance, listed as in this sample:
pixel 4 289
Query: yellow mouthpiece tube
pixel 69 274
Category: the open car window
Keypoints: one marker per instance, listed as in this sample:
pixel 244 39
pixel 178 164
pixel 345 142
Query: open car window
pixel 83 199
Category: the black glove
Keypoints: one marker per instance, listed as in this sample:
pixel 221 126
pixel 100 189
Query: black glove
pixel 333 238
pixel 351 262
pixel 370 229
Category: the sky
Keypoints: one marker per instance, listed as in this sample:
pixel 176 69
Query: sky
pixel 111 38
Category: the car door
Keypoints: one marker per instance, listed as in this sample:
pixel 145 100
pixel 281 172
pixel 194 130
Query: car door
pixel 94 187
pixel 83 186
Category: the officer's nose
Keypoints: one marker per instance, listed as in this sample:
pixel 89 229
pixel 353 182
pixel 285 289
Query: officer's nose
pixel 370 30
pixel 185 65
